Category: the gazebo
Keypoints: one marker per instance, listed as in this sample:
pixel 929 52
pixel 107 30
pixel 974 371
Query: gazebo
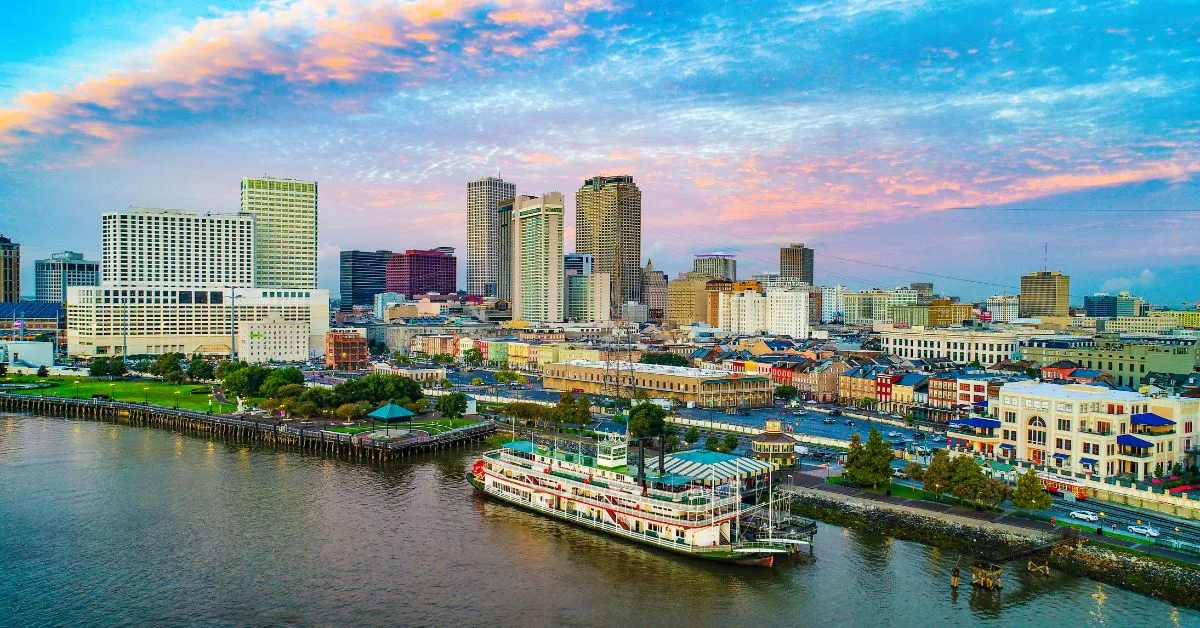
pixel 391 413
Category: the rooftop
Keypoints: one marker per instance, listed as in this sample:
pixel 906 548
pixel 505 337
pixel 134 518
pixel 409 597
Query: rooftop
pixel 657 369
pixel 1076 392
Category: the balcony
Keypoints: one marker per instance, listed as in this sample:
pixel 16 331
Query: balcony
pixel 1107 432
pixel 971 433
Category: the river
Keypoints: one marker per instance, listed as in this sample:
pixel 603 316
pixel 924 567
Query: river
pixel 113 525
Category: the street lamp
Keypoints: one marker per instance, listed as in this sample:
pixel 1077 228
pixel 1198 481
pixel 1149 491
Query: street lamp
pixel 112 391
pixel 176 399
pixel 76 389
pixel 146 395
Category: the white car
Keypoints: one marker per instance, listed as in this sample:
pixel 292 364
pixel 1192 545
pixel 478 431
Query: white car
pixel 1143 530
pixel 1085 515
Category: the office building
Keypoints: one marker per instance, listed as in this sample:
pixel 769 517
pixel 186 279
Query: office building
pixel 537 258
pixel 504 249
pixel 362 274
pixel 285 231
pixel 1003 308
pixel 869 307
pixel 633 312
pixel 833 303
pixel 10 270
pixel 578 264
pixel 1186 318
pixel 156 248
pixel 687 299
pixel 719 265
pixel 796 263
pixel 1104 305
pixel 346 349
pixel 1139 324
pixel 924 289
pixel 608 225
pixel 587 298
pixel 654 292
pixel 52 276
pixel 383 300
pixel 945 313
pixel 483 233
pixel 1045 293
pixel 776 312
pixel 416 272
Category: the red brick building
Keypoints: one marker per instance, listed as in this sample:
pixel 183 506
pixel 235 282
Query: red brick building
pixel 346 349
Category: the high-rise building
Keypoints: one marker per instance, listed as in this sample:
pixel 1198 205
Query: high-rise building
pixel 1104 305
pixel 1003 308
pixel 687 299
pixel 363 275
pixel 721 265
pixel 51 276
pixel 171 247
pixel 654 292
pixel 504 249
pixel 796 263
pixel 483 233
pixel 833 303
pixel 416 272
pixel 285 231
pixel 537 254
pixel 578 264
pixel 587 298
pixel 924 289
pixel 1045 293
pixel 10 271
pixel 608 225
pixel 775 312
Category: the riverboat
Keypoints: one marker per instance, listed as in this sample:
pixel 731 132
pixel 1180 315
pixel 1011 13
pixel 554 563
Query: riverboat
pixel 699 503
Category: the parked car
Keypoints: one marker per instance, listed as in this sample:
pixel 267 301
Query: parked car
pixel 827 421
pixel 895 416
pixel 919 435
pixel 1085 515
pixel 849 422
pixel 835 412
pixel 899 473
pixel 1144 530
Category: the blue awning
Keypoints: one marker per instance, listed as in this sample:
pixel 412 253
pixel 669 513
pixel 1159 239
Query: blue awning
pixel 977 422
pixel 980 404
pixel 1150 419
pixel 1088 461
pixel 1007 446
pixel 1061 456
pixel 1129 440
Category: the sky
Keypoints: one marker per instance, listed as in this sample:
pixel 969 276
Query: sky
pixel 963 143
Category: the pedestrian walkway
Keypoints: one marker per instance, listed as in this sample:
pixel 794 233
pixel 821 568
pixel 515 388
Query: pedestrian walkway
pixel 812 482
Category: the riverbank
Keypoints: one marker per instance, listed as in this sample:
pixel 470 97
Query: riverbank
pixel 1169 580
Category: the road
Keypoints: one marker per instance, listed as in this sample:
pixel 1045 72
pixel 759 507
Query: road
pixel 1124 516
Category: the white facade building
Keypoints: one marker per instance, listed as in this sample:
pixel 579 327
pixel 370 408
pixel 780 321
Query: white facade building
pixel 537 258
pixel 1004 308
pixel 959 344
pixel 154 248
pixel 833 303
pixel 285 231
pixel 588 299
pixel 776 312
pixel 383 300
pixel 273 339
pixel 483 233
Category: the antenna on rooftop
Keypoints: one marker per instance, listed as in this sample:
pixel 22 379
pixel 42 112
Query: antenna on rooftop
pixel 1045 256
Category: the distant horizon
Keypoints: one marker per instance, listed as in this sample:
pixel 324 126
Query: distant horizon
pixel 903 140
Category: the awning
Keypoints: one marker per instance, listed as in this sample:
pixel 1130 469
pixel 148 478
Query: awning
pixel 1129 440
pixel 1061 456
pixel 980 404
pixel 1088 461
pixel 1150 419
pixel 1007 446
pixel 977 422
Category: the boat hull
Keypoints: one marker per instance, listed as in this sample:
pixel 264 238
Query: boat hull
pixel 754 559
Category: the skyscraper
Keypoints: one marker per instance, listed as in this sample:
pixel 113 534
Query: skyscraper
pixel 721 265
pixel 1045 293
pixel 10 271
pixel 537 254
pixel 654 292
pixel 796 263
pixel 52 276
pixel 285 231
pixel 483 233
pixel 608 225
pixel 415 272
pixel 363 274
pixel 504 264
pixel 145 247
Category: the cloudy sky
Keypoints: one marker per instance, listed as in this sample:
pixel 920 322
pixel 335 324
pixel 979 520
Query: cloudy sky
pixel 905 140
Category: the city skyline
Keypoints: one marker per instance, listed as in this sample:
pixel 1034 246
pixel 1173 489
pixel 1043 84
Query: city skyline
pixel 861 143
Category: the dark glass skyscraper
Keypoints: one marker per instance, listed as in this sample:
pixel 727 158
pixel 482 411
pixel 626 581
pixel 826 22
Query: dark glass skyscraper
pixel 363 275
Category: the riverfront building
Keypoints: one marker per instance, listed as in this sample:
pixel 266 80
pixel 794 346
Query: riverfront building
pixel 285 231
pixel 608 226
pixel 702 387
pixel 484 197
pixel 1082 429
pixel 362 275
pixel 52 276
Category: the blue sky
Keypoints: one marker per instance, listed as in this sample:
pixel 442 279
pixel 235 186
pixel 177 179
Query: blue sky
pixel 905 140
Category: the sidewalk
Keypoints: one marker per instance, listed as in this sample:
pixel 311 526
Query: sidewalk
pixel 967 516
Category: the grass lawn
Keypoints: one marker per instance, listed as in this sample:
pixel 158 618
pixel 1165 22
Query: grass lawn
pixel 137 391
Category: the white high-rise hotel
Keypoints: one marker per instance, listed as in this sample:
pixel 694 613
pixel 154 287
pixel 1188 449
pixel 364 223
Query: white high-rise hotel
pixel 181 281
pixel 483 233
pixel 537 258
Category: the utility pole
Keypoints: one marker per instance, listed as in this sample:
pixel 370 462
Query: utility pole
pixel 125 331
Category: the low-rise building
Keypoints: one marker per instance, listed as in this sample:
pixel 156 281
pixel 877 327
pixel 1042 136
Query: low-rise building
pixel 701 387
pixel 772 445
pixel 1186 318
pixel 1126 359
pixel 346 349
pixel 1140 324
pixel 431 375
pixel 273 339
pixel 963 345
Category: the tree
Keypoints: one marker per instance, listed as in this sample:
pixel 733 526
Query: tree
pixel 43 371
pixel 472 357
pixel 476 381
pixel 278 378
pixel 350 412
pixel 786 392
pixel 937 474
pixel 1030 494
pixel 872 465
pixel 854 454
pixel 199 369
pixel 692 434
pixel 290 391
pixel 914 470
pixel 3 369
pixel 712 443
pixel 445 383
pixel 571 409
pixel 167 364
pixel 647 420
pixel 665 358
pixel 731 442
pixel 401 358
pixel 452 405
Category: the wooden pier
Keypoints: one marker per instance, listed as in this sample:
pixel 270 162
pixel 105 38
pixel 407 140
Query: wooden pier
pixel 241 429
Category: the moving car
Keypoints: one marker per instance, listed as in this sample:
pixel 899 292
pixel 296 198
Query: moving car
pixel 1085 515
pixel 1144 530
pixel 849 422
pixel 835 412
pixel 827 421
